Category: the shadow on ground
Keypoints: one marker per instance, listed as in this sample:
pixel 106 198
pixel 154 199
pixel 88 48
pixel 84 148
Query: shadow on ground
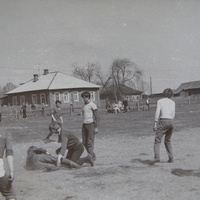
pixel 185 172
pixel 145 162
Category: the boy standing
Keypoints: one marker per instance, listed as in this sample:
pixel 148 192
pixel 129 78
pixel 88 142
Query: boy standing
pixel 90 124
pixel 125 103
pixel 6 188
pixel 56 117
pixel 57 114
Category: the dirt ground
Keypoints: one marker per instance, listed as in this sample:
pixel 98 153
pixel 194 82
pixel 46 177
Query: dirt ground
pixel 124 148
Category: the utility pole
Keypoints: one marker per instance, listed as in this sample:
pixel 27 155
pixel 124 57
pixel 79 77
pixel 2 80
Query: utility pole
pixel 150 85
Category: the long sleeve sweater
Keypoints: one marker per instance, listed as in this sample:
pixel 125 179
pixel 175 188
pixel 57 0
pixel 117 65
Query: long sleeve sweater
pixel 165 109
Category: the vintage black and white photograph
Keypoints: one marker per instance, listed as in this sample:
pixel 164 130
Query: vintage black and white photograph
pixel 99 99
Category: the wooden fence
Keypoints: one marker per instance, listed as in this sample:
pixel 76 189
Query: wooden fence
pixel 15 111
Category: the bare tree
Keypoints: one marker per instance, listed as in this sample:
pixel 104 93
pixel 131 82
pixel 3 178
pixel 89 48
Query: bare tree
pixel 8 87
pixel 121 72
pixel 124 71
pixel 79 72
pixel 86 73
pixel 102 80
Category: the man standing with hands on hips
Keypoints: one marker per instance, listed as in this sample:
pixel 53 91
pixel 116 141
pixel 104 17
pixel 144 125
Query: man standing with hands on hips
pixel 164 124
pixel 90 124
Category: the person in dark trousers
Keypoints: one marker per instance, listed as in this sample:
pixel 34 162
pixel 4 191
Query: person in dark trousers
pixel 71 145
pixel 23 111
pixel 90 124
pixel 6 150
pixel 164 124
pixel 40 159
pixel 125 104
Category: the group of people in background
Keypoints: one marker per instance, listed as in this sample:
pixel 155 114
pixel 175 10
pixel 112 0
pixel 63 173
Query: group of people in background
pixel 122 106
pixel 33 110
pixel 119 106
pixel 69 154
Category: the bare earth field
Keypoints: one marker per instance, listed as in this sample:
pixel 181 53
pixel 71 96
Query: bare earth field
pixel 124 148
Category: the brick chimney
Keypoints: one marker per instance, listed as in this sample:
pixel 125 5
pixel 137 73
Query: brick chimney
pixel 46 71
pixel 35 77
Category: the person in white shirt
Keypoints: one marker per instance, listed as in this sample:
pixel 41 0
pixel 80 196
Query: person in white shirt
pixel 90 124
pixel 164 124
pixel 6 176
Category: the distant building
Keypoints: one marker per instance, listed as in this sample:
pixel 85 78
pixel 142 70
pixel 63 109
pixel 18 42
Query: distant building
pixel 114 91
pixel 52 86
pixel 188 89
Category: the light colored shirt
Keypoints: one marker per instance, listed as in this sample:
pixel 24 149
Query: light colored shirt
pixel 165 109
pixel 88 116
pixel 2 170
pixel 5 146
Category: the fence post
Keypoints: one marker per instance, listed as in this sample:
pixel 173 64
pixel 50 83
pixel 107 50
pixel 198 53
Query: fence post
pixel 189 101
pixel 138 105
pixel 71 109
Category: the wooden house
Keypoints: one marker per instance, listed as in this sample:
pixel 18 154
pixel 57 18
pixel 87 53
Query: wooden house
pixel 52 86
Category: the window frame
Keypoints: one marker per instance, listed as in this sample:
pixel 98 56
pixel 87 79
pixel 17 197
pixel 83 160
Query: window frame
pixel 32 97
pixel 75 94
pixel 22 99
pixel 92 94
pixel 55 96
pixel 14 101
pixel 66 94
pixel 45 100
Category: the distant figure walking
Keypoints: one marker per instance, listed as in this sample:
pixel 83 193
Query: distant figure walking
pixel 148 103
pixel 164 124
pixel 23 111
pixel 125 103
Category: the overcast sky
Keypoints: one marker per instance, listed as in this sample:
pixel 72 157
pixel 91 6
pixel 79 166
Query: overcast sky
pixel 161 36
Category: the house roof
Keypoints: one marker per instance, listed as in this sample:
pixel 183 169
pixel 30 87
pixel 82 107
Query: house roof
pixel 124 90
pixel 188 86
pixel 53 81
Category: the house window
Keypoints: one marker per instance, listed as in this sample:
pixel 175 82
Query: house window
pixel 66 97
pixel 42 98
pixel 14 101
pixel 92 96
pixel 135 98
pixel 34 99
pixel 75 96
pixel 57 96
pixel 22 100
